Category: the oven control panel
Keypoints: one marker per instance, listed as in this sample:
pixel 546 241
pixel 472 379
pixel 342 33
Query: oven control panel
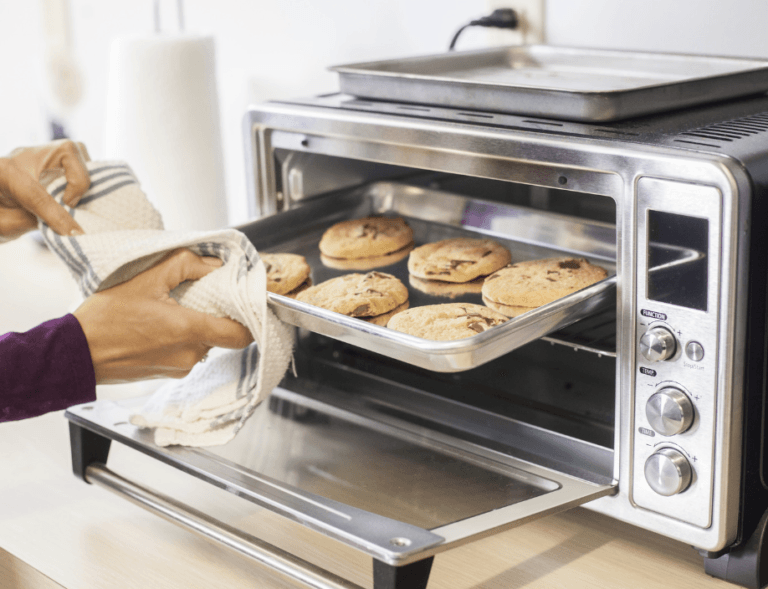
pixel 675 383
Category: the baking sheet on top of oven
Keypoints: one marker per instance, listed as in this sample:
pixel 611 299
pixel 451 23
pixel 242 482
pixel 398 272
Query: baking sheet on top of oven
pixel 435 216
pixel 561 82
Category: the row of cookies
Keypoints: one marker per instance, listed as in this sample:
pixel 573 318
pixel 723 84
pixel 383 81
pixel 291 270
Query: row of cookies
pixel 449 267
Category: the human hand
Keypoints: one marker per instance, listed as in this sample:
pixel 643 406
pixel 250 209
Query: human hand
pixel 136 331
pixel 23 197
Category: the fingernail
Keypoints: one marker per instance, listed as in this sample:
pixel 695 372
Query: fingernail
pixel 76 233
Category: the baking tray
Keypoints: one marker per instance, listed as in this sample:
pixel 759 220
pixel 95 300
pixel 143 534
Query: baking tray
pixel 435 215
pixel 577 84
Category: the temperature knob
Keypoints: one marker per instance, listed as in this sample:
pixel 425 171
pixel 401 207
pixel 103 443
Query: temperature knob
pixel 669 411
pixel 658 344
pixel 668 472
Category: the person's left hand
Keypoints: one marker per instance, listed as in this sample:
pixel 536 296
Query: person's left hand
pixel 136 331
pixel 22 196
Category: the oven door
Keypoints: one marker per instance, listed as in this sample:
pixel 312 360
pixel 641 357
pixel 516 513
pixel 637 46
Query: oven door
pixel 346 464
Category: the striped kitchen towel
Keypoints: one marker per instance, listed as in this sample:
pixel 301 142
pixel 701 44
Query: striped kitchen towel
pixel 123 236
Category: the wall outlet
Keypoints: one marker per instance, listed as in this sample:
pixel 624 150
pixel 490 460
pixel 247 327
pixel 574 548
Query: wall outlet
pixel 531 28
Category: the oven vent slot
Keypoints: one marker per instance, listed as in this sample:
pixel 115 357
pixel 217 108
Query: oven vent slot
pixel 596 334
pixel 727 131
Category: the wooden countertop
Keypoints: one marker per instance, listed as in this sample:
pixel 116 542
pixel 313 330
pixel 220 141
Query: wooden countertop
pixel 56 531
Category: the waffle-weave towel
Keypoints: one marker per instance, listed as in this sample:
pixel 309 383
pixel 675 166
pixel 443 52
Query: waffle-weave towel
pixel 124 236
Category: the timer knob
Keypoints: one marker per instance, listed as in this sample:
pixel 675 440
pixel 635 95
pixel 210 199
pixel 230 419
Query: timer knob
pixel 668 472
pixel 669 411
pixel 658 344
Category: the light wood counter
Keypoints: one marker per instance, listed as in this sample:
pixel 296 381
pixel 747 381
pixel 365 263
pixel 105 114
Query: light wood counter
pixel 56 531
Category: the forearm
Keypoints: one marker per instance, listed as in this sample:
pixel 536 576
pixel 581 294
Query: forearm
pixel 45 369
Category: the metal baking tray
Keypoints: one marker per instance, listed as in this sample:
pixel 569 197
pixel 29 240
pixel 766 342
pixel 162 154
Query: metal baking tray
pixel 568 83
pixel 434 216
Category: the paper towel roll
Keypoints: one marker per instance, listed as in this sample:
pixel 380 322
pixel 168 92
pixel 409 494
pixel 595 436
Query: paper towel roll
pixel 163 119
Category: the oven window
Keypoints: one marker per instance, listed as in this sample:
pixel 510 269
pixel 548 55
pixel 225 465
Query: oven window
pixel 677 259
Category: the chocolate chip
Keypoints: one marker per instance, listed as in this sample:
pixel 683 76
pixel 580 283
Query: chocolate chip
pixel 360 311
pixel 488 253
pixel 478 327
pixel 278 279
pixel 570 264
pixel 552 272
pixel 551 279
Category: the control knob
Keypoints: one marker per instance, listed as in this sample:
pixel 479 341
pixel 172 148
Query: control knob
pixel 669 411
pixel 658 344
pixel 668 472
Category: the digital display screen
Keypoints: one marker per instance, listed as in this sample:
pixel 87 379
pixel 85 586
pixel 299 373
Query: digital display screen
pixel 678 247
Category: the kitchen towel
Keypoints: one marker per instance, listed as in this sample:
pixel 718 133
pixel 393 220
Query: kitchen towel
pixel 163 117
pixel 124 235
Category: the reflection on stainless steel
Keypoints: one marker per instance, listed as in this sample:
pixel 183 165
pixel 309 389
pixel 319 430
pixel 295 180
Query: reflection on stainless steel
pixel 559 82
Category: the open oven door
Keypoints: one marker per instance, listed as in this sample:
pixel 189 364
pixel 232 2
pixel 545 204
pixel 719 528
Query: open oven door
pixel 343 465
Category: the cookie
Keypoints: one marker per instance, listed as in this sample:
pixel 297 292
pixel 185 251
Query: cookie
pixel 285 272
pixel 450 290
pixel 449 321
pixel 523 286
pixel 366 263
pixel 357 295
pixel 368 237
pixel 458 260
pixel 301 288
pixel 384 318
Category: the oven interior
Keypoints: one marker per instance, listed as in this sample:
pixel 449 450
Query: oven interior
pixel 527 403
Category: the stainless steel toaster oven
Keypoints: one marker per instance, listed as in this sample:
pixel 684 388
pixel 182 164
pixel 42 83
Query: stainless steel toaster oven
pixel 642 397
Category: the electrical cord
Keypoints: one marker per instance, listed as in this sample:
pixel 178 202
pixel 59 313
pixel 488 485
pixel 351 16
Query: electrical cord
pixel 501 18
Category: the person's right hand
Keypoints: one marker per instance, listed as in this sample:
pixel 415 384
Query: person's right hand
pixel 136 331
pixel 22 196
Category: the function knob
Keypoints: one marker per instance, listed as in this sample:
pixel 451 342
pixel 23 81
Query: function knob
pixel 668 472
pixel 669 411
pixel 658 344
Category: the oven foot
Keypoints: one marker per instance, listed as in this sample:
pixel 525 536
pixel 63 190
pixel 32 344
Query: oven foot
pixel 409 576
pixel 87 448
pixel 747 564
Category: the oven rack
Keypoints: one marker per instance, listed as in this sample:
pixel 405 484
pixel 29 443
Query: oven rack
pixel 595 334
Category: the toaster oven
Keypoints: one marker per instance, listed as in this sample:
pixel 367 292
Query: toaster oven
pixel 642 397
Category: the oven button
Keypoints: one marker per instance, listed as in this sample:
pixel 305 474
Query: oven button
pixel 694 351
pixel 658 344
pixel 669 411
pixel 668 472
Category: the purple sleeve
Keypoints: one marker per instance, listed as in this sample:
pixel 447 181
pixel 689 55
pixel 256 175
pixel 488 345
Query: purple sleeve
pixel 45 369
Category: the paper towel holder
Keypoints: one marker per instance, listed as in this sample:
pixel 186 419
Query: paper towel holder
pixel 179 13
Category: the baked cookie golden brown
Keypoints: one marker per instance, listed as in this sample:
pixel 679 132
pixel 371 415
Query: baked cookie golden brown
pixel 524 286
pixel 285 272
pixel 367 241
pixel 384 318
pixel 461 259
pixel 451 290
pixel 450 321
pixel 366 263
pixel 357 295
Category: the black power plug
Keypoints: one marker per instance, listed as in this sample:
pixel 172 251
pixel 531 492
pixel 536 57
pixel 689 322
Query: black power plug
pixel 501 18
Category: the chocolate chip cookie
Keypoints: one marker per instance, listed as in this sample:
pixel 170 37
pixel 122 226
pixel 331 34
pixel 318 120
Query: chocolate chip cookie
pixel 524 286
pixel 461 259
pixel 366 243
pixel 286 273
pixel 450 321
pixel 357 295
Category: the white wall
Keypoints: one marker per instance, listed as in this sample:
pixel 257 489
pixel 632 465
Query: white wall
pixel 715 27
pixel 266 49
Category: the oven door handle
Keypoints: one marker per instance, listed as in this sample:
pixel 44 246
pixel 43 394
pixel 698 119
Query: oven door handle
pixel 212 529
